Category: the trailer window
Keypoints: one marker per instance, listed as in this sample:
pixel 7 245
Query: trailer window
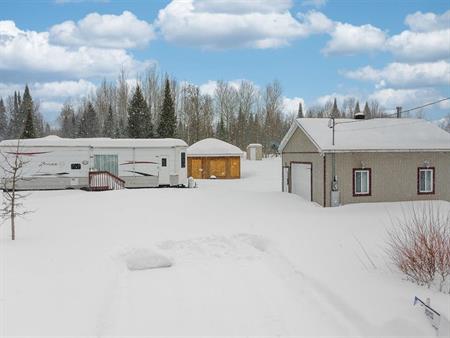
pixel 183 160
pixel 75 166
pixel 164 162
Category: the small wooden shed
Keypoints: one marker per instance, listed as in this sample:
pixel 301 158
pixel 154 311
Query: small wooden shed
pixel 254 152
pixel 213 158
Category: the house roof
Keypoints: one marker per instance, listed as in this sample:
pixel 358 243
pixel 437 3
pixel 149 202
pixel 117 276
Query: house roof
pixel 383 134
pixel 55 141
pixel 213 147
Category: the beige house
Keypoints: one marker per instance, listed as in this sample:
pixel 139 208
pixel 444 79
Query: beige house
pixel 377 160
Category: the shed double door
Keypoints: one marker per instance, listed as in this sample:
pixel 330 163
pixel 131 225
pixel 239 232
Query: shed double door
pixel 300 182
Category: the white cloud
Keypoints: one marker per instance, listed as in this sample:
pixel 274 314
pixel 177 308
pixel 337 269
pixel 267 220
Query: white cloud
pixel 427 22
pixel 405 75
pixel 427 40
pixel 407 98
pixel 51 95
pixel 105 31
pixel 63 89
pixel 290 105
pixel 420 46
pixel 246 24
pixel 31 52
pixel 209 88
pixel 316 22
pixel 50 109
pixel 340 98
pixel 350 39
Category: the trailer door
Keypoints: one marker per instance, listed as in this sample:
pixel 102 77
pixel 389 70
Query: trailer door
pixel 164 170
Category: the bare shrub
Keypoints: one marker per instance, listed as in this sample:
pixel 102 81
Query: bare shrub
pixel 419 245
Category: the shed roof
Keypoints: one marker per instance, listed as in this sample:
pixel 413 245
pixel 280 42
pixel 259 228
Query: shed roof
pixel 257 145
pixel 55 141
pixel 383 134
pixel 213 147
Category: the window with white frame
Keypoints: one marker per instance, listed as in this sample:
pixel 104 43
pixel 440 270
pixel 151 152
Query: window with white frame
pixel 361 182
pixel 426 181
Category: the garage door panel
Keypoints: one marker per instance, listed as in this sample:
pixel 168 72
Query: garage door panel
pixel 301 180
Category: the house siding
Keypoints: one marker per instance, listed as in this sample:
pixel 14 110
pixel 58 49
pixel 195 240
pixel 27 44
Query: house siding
pixel 300 149
pixel 393 174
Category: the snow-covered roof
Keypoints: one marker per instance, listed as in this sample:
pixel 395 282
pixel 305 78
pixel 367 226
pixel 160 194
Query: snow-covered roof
pixel 383 134
pixel 101 142
pixel 213 147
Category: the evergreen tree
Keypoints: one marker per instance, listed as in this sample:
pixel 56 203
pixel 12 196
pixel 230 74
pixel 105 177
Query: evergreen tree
pixel 300 111
pixel 357 109
pixel 16 122
pixel 221 132
pixel 139 118
pixel 148 124
pixel 109 129
pixel 334 110
pixel 29 131
pixel 168 119
pixel 89 126
pixel 27 110
pixel 367 111
pixel 3 121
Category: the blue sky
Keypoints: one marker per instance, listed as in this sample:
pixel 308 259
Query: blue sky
pixel 396 52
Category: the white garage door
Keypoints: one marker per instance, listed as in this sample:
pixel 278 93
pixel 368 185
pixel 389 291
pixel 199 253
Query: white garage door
pixel 301 180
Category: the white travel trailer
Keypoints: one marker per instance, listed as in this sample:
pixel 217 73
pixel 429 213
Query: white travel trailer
pixel 58 163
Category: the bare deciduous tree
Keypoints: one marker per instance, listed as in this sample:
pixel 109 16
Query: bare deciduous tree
pixel 12 204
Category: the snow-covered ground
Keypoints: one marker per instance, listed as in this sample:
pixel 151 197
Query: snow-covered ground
pixel 230 258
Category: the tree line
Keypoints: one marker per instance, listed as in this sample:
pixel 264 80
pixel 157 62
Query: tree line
pixel 157 105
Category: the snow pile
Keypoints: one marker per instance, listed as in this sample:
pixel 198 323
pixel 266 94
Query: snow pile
pixel 145 259
pixel 213 147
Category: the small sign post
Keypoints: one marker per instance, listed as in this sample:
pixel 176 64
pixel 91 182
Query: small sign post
pixel 433 315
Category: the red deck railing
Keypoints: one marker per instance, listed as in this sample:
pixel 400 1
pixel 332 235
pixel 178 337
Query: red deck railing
pixel 104 180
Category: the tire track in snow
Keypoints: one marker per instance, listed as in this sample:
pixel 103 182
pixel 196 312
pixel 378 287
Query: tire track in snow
pixel 335 311
pixel 328 302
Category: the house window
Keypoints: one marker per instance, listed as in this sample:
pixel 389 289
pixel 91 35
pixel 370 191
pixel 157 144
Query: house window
pixel 361 182
pixel 183 160
pixel 425 181
pixel 75 166
pixel 164 162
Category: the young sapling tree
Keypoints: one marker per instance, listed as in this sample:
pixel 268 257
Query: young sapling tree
pixel 12 205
